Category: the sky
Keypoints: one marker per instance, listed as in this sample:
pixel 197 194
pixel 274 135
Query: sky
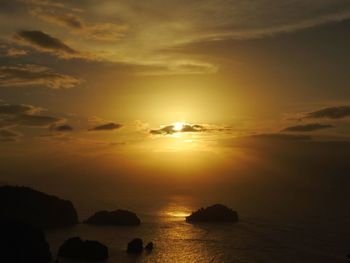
pixel 178 92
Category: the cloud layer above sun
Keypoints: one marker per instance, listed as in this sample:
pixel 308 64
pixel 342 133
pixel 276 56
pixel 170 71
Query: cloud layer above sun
pixel 140 32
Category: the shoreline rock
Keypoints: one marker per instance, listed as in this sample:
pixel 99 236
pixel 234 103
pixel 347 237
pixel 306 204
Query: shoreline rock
pixel 77 249
pixel 23 243
pixel 135 246
pixel 149 247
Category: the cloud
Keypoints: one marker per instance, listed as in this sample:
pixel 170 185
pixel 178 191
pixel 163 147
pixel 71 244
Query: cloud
pixel 43 42
pixel 282 136
pixel 46 3
pixel 8 135
pixel 31 75
pixel 217 19
pixel 174 128
pixel 33 120
pixel 62 128
pixel 307 127
pixel 25 115
pixel 192 128
pixel 181 67
pixel 9 109
pixel 13 52
pixel 330 112
pixel 10 50
pixel 201 21
pixel 169 129
pixel 22 115
pixel 214 19
pixel 74 22
pixel 106 127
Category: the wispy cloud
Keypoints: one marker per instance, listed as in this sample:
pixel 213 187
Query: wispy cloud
pixel 307 127
pixel 33 120
pixel 282 136
pixel 62 128
pixel 106 127
pixel 12 115
pixel 43 42
pixel 338 112
pixel 35 75
pixel 76 24
pixel 8 135
pixel 170 24
pixel 61 14
pixel 9 109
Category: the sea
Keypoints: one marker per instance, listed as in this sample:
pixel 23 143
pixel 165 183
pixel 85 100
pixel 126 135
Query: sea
pixel 272 237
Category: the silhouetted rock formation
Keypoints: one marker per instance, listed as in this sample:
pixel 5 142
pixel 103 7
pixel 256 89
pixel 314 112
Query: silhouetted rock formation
pixel 149 247
pixel 77 249
pixel 23 243
pixel 27 205
pixel 135 246
pixel 117 217
pixel 215 213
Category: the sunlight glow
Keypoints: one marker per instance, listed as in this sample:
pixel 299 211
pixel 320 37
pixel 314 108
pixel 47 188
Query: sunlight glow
pixel 178 126
pixel 181 214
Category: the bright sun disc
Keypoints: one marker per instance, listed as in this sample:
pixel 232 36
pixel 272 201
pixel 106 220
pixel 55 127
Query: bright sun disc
pixel 178 126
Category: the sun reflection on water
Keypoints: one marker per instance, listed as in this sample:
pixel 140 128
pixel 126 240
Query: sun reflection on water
pixel 177 208
pixel 181 214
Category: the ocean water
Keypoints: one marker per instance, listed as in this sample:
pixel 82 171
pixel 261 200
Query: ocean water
pixel 253 239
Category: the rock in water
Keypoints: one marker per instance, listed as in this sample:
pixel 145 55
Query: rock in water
pixel 214 213
pixel 149 246
pixel 77 249
pixel 27 205
pixel 135 246
pixel 23 243
pixel 117 217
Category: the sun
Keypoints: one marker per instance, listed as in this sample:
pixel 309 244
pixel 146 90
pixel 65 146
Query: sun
pixel 178 126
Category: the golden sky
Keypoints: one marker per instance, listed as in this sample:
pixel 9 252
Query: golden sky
pixel 177 87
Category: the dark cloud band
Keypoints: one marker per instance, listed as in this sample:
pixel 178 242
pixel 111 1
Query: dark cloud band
pixel 307 127
pixel 171 129
pixel 331 113
pixel 8 135
pixel 62 128
pixel 35 75
pixel 106 127
pixel 40 39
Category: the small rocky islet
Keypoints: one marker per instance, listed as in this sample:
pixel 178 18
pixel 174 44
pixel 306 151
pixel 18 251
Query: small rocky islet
pixel 135 246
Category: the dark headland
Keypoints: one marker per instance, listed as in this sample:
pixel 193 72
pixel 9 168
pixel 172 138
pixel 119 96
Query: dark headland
pixel 33 207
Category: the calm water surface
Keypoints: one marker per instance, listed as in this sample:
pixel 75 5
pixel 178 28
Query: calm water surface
pixel 253 239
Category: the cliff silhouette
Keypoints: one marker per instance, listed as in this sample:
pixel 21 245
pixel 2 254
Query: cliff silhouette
pixel 36 208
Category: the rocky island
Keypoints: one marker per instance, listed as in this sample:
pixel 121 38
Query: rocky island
pixel 117 218
pixel 214 213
